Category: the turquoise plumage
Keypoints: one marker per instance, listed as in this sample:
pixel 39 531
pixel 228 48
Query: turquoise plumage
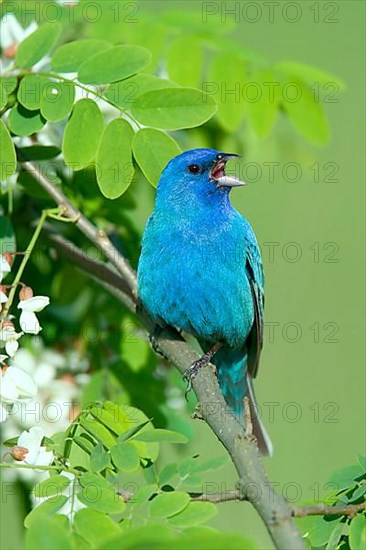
pixel 200 270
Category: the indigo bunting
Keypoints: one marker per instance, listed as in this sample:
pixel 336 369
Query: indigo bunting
pixel 200 270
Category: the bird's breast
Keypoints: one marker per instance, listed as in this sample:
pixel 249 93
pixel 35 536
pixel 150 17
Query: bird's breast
pixel 196 281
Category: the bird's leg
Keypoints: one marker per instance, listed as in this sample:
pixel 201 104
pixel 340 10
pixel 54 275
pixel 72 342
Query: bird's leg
pixel 194 369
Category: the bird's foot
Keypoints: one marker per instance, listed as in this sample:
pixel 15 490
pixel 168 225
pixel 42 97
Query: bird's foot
pixel 192 371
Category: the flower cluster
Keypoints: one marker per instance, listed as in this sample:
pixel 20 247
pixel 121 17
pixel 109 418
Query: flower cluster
pixel 16 385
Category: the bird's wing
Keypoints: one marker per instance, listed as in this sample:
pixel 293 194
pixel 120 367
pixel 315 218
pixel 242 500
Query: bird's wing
pixel 254 271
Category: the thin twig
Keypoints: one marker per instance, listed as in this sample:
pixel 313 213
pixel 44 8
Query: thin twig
pixel 17 466
pixel 349 510
pixel 101 272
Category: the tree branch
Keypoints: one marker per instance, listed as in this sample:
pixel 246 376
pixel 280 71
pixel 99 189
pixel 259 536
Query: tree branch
pixel 101 272
pixel 349 510
pixel 253 484
pixel 95 235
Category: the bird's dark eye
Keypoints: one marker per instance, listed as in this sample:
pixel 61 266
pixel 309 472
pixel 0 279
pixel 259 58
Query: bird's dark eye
pixel 194 168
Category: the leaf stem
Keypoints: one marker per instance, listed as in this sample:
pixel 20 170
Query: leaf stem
pixel 43 468
pixel 24 261
pixel 93 92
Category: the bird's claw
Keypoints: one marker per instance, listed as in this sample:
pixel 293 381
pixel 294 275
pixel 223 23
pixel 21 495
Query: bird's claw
pixel 190 374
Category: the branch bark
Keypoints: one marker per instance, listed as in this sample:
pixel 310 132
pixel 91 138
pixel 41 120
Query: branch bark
pixel 349 510
pixel 253 484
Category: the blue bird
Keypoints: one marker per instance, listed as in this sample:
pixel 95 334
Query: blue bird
pixel 200 270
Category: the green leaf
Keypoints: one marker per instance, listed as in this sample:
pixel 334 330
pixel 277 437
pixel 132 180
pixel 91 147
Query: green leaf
pixel 8 163
pixel 357 532
pixel 174 108
pixel 99 458
pixel 82 134
pixel 226 84
pixel 100 414
pixel 189 466
pixel 47 509
pixel 358 493
pixel 3 96
pixel 160 537
pixel 114 166
pixel 202 538
pixel 182 68
pixel 130 433
pixel 125 92
pixel 39 152
pixel 305 112
pixel 57 100
pixel 168 504
pixel 13 440
pixel 130 418
pixel 263 105
pixel 78 542
pixel 151 537
pixel 95 527
pixel 125 457
pixel 99 494
pixel 113 64
pixel 37 45
pixel 54 485
pixel 318 529
pixel 30 90
pixel 98 431
pixel 23 122
pixel 47 534
pixel 160 435
pixel 346 477
pixel 142 495
pixel 194 514
pixel 362 462
pixel 153 149
pixel 167 473
pixel 335 536
pixel 69 57
pixel 9 83
pixel 309 74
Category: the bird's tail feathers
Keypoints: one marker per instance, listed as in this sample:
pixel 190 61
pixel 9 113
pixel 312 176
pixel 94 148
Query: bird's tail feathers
pixel 264 441
pixel 236 383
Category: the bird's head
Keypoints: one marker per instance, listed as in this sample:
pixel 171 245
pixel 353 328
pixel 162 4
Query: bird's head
pixel 199 176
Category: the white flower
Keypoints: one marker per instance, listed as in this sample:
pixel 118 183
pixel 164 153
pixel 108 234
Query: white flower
pixel 3 297
pixel 16 385
pixel 42 372
pixel 10 338
pixel 3 413
pixel 4 267
pixel 37 454
pixel 28 320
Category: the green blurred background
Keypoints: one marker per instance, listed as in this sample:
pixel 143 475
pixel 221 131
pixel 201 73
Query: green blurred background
pixel 315 386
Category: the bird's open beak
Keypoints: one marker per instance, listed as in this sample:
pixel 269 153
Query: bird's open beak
pixel 218 172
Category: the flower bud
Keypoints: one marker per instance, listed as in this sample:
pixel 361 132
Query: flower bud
pixel 19 453
pixel 9 257
pixel 26 293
